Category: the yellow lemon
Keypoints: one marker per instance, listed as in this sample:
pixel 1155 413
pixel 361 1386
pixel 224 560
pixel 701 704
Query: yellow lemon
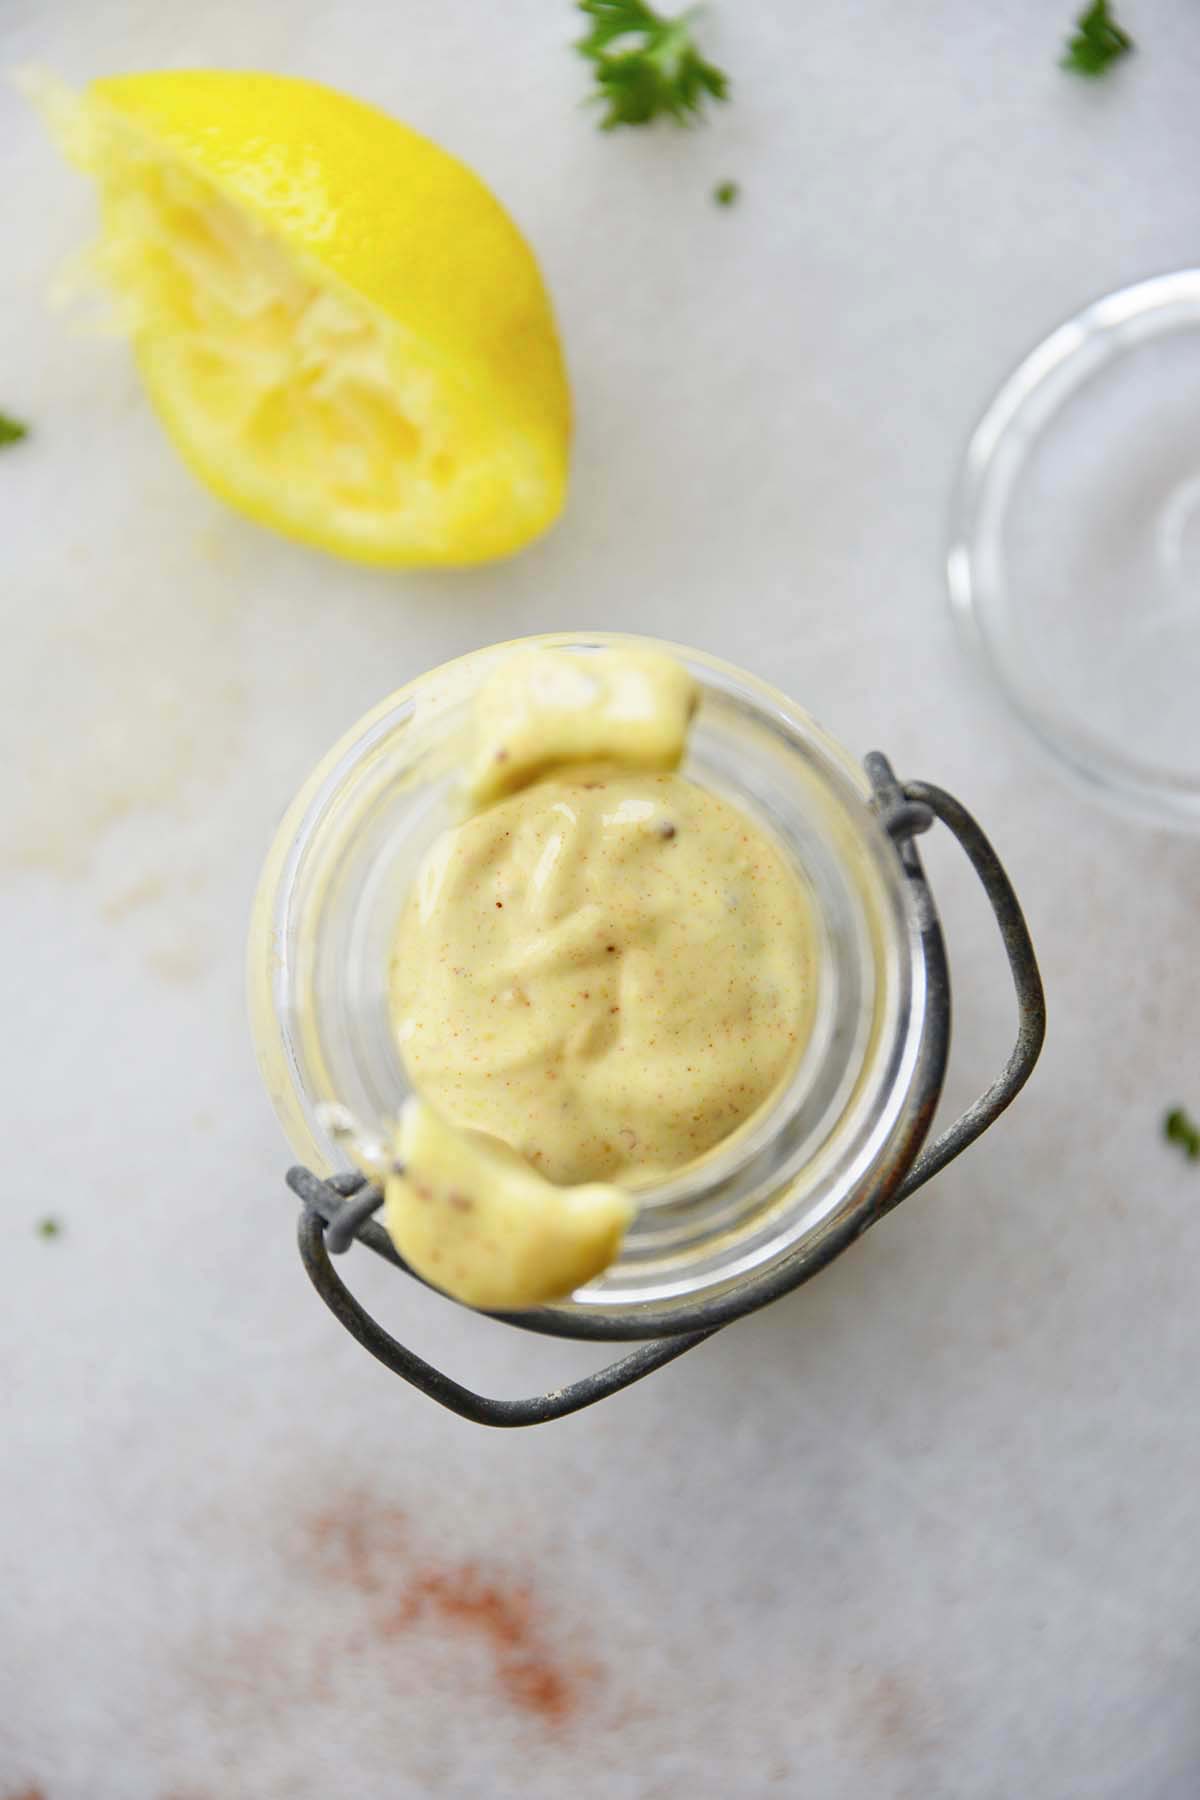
pixel 344 332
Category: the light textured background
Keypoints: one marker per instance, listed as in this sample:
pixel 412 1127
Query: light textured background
pixel 927 1529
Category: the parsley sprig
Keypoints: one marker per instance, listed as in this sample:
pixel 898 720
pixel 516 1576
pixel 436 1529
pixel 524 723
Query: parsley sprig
pixel 1098 41
pixel 647 66
pixel 11 430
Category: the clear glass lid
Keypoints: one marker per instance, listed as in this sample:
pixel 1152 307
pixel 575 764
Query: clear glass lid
pixel 1074 561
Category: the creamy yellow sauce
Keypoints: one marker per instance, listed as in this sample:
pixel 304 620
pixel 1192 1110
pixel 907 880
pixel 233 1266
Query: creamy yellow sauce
pixel 543 709
pixel 476 1220
pixel 608 971
pixel 605 971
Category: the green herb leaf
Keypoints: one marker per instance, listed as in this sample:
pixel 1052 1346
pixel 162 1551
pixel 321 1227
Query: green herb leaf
pixel 726 192
pixel 11 430
pixel 50 1228
pixel 1179 1129
pixel 646 66
pixel 1098 41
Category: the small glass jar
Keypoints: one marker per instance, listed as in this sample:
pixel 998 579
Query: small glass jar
pixel 797 1181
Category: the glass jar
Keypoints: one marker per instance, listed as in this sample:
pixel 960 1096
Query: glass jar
pixel 799 1179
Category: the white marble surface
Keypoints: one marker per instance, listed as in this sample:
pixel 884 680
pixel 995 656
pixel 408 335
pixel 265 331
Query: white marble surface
pixel 926 1529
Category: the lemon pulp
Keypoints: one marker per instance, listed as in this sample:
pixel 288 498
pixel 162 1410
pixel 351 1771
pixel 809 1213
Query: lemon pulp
pixel 272 321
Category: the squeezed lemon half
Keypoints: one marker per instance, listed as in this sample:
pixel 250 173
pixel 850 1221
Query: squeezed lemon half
pixel 343 331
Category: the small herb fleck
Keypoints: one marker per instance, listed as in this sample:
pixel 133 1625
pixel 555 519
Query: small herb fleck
pixel 726 192
pixel 49 1227
pixel 11 430
pixel 1179 1129
pixel 1098 41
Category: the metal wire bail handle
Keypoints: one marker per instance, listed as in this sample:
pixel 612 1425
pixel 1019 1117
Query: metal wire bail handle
pixel 339 1211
